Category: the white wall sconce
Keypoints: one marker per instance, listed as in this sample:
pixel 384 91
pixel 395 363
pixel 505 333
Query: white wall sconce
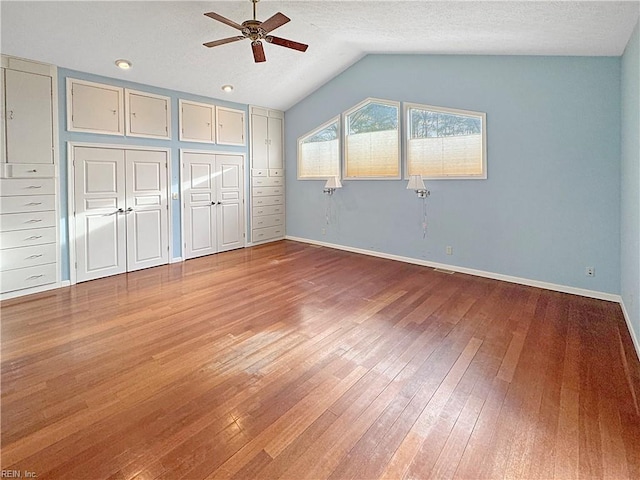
pixel 331 185
pixel 416 183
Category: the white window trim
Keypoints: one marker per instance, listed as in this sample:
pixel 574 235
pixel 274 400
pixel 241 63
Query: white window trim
pixel 335 119
pixel 454 111
pixel 344 135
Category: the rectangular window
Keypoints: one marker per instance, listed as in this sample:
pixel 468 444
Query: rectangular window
pixel 372 140
pixel 319 152
pixel 445 142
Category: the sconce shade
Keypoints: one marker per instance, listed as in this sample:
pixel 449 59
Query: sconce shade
pixel 416 183
pixel 333 182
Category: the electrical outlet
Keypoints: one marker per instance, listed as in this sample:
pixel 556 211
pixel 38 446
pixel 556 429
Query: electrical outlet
pixel 449 250
pixel 174 196
pixel 324 231
pixel 590 272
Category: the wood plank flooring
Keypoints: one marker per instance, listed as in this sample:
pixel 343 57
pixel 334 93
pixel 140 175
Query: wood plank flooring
pixel 297 362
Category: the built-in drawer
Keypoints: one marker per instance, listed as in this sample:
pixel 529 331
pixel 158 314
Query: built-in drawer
pixel 268 210
pixel 268 181
pixel 272 200
pixel 28 170
pixel 23 238
pixel 268 221
pixel 28 277
pixel 22 221
pixel 12 258
pixel 268 233
pixel 26 186
pixel 266 191
pixel 276 172
pixel 259 172
pixel 22 203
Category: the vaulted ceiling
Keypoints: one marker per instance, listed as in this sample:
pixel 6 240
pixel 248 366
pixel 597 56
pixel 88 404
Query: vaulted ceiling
pixel 164 39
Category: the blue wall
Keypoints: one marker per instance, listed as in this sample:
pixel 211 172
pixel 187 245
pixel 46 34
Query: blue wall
pixel 174 144
pixel 551 204
pixel 630 198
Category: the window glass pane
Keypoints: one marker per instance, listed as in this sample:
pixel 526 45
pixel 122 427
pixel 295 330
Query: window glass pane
pixel 319 153
pixel 445 144
pixel 371 142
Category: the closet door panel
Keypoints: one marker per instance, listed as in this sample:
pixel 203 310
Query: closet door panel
pixel 146 209
pixel 230 209
pixel 99 212
pixel 200 199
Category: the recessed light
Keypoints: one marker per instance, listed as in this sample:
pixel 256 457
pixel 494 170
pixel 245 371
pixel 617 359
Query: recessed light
pixel 227 88
pixel 123 64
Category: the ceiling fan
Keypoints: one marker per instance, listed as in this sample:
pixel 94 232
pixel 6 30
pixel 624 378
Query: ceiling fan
pixel 257 31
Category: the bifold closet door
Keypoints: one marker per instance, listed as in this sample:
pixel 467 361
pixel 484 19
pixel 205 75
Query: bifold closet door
pixel 213 193
pixel 121 213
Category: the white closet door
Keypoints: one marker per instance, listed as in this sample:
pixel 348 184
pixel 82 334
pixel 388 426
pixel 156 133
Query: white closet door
pixel 230 209
pixel 99 212
pixel 29 123
pixel 146 209
pixel 200 201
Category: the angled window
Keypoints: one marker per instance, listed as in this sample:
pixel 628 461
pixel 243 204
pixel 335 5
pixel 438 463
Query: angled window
pixel 319 152
pixel 372 140
pixel 445 143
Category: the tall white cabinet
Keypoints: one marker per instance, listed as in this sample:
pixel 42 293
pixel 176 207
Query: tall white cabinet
pixel 267 175
pixel 29 238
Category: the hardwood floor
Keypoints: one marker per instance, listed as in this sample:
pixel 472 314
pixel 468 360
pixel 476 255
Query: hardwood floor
pixel 292 361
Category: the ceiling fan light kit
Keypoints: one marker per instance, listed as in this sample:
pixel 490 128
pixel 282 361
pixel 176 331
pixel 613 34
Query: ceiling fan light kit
pixel 257 32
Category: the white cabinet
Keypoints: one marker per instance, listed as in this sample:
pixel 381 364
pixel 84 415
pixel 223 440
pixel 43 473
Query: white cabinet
pixel 147 115
pixel 267 175
pixel 197 122
pixel 94 107
pixel 110 110
pixel 267 138
pixel 29 245
pixel 230 126
pixel 29 119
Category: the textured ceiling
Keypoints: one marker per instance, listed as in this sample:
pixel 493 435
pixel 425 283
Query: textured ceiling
pixel 164 39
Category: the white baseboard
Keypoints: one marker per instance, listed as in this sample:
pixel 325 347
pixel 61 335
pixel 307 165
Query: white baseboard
pixel 479 273
pixel 634 336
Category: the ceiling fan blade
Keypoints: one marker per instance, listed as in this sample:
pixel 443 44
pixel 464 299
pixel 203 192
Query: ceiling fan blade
pixel 258 51
pixel 222 19
pixel 283 42
pixel 215 43
pixel 274 22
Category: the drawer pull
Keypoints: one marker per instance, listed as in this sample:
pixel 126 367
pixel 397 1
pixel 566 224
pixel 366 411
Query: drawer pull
pixel 35 277
pixel 34 186
pixel 34 204
pixel 33 237
pixel 32 171
pixel 34 220
pixel 31 257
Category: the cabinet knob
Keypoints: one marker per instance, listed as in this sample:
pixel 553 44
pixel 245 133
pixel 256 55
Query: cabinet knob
pixel 11 115
pixel 114 111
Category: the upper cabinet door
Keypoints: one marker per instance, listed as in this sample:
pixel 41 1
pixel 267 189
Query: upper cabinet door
pixel 94 108
pixel 29 117
pixel 196 122
pixel 148 115
pixel 276 156
pixel 230 126
pixel 259 142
